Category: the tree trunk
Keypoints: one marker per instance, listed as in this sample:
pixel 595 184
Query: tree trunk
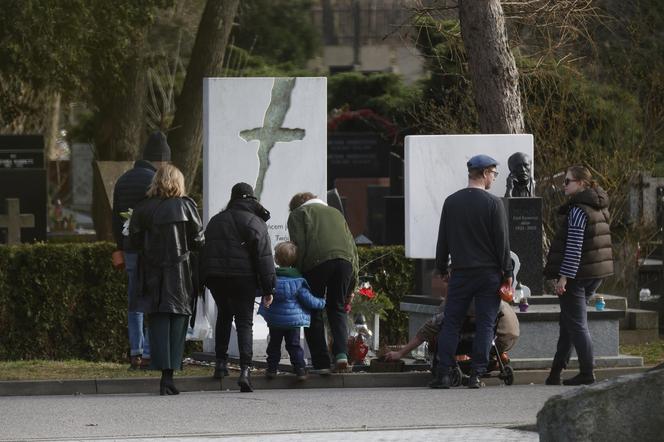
pixel 52 126
pixel 121 130
pixel 207 56
pixel 491 65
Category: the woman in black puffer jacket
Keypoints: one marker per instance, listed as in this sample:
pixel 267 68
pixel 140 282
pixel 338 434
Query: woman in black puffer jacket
pixel 238 266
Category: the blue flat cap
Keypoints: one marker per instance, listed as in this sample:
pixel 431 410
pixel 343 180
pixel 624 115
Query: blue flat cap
pixel 481 162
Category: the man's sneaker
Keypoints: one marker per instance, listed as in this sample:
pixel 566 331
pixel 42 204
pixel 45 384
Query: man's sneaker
pixel 341 363
pixel 135 363
pixel 300 373
pixel 442 380
pixel 580 379
pixel 474 380
pixel 321 371
pixel 145 363
pixel 271 374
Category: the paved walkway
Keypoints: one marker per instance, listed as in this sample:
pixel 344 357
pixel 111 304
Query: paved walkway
pixel 369 414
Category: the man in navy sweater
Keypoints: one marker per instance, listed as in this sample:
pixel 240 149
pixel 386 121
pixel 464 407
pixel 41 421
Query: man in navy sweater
pixel 473 233
pixel 131 188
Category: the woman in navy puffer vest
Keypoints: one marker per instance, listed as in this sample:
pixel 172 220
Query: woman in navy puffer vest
pixel 290 310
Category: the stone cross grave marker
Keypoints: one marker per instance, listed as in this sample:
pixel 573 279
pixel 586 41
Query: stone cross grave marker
pixel 14 221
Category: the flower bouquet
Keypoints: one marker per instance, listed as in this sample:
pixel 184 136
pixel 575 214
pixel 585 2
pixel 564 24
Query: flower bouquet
pixel 368 302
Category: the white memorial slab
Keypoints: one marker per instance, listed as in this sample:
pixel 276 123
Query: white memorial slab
pixel 435 167
pixel 272 134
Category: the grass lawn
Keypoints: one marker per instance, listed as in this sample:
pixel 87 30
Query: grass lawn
pixel 652 352
pixel 77 369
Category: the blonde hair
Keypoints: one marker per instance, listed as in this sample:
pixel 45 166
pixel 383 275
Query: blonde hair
pixel 168 182
pixel 582 174
pixel 285 254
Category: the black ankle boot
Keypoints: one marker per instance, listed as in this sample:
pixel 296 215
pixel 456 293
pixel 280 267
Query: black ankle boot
pixel 166 385
pixel 442 379
pixel 554 375
pixel 581 379
pixel 245 380
pixel 554 378
pixel 220 369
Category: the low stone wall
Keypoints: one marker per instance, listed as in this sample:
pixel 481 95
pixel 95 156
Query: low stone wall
pixel 622 409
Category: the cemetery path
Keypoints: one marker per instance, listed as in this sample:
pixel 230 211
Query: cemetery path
pixel 312 414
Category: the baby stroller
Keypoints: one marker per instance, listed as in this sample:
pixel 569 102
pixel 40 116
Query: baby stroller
pixel 461 372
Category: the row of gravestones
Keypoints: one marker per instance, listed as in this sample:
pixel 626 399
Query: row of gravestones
pixel 24 188
pixel 288 121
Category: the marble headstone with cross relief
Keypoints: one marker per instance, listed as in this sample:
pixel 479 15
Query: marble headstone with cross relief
pixel 272 134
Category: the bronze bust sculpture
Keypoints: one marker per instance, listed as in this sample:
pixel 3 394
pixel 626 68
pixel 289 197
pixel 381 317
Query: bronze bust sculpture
pixel 520 182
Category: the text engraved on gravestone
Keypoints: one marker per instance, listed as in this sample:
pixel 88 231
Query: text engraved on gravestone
pixel 525 234
pixel 272 132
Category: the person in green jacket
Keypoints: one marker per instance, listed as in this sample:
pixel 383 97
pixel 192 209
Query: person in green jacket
pixel 328 261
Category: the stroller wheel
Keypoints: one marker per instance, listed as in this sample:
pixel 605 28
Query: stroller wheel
pixel 456 376
pixel 508 375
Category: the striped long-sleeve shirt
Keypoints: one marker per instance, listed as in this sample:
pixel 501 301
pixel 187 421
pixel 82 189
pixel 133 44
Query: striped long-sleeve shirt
pixel 576 225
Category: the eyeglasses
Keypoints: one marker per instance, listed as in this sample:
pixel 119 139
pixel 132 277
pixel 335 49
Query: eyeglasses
pixel 567 181
pixel 495 173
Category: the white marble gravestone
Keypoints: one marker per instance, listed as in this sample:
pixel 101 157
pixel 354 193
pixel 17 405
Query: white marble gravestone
pixel 272 134
pixel 435 167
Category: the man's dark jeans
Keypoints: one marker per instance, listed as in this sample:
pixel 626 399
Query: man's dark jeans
pixel 574 325
pixel 464 287
pixel 292 338
pixel 331 280
pixel 235 299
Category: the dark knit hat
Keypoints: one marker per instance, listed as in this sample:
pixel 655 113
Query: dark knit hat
pixel 157 148
pixel 242 190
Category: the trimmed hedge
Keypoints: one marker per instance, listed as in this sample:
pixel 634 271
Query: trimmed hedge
pixel 62 301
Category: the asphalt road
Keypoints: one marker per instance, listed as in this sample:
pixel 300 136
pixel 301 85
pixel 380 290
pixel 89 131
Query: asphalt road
pixel 281 415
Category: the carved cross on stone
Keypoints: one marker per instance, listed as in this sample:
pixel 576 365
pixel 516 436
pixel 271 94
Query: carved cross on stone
pixel 14 221
pixel 272 132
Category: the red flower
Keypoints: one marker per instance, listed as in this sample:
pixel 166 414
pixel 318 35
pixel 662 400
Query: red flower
pixel 367 291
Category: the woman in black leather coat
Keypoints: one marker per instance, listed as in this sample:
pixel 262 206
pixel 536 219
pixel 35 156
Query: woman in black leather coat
pixel 167 230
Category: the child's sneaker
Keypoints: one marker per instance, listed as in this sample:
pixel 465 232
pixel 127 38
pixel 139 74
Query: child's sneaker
pixel 300 373
pixel 342 363
pixel 271 374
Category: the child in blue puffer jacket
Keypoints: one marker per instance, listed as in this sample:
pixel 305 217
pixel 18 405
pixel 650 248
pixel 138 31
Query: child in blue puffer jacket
pixel 288 312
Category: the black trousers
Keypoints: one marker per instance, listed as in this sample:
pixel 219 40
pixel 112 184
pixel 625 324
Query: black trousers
pixel 234 297
pixel 333 281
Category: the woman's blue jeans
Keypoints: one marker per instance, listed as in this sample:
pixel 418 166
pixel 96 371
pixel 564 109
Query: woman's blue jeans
pixel 574 325
pixel 139 342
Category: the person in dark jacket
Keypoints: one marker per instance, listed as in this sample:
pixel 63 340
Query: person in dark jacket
pixel 167 230
pixel 473 242
pixel 289 312
pixel 579 258
pixel 238 266
pixel 129 190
